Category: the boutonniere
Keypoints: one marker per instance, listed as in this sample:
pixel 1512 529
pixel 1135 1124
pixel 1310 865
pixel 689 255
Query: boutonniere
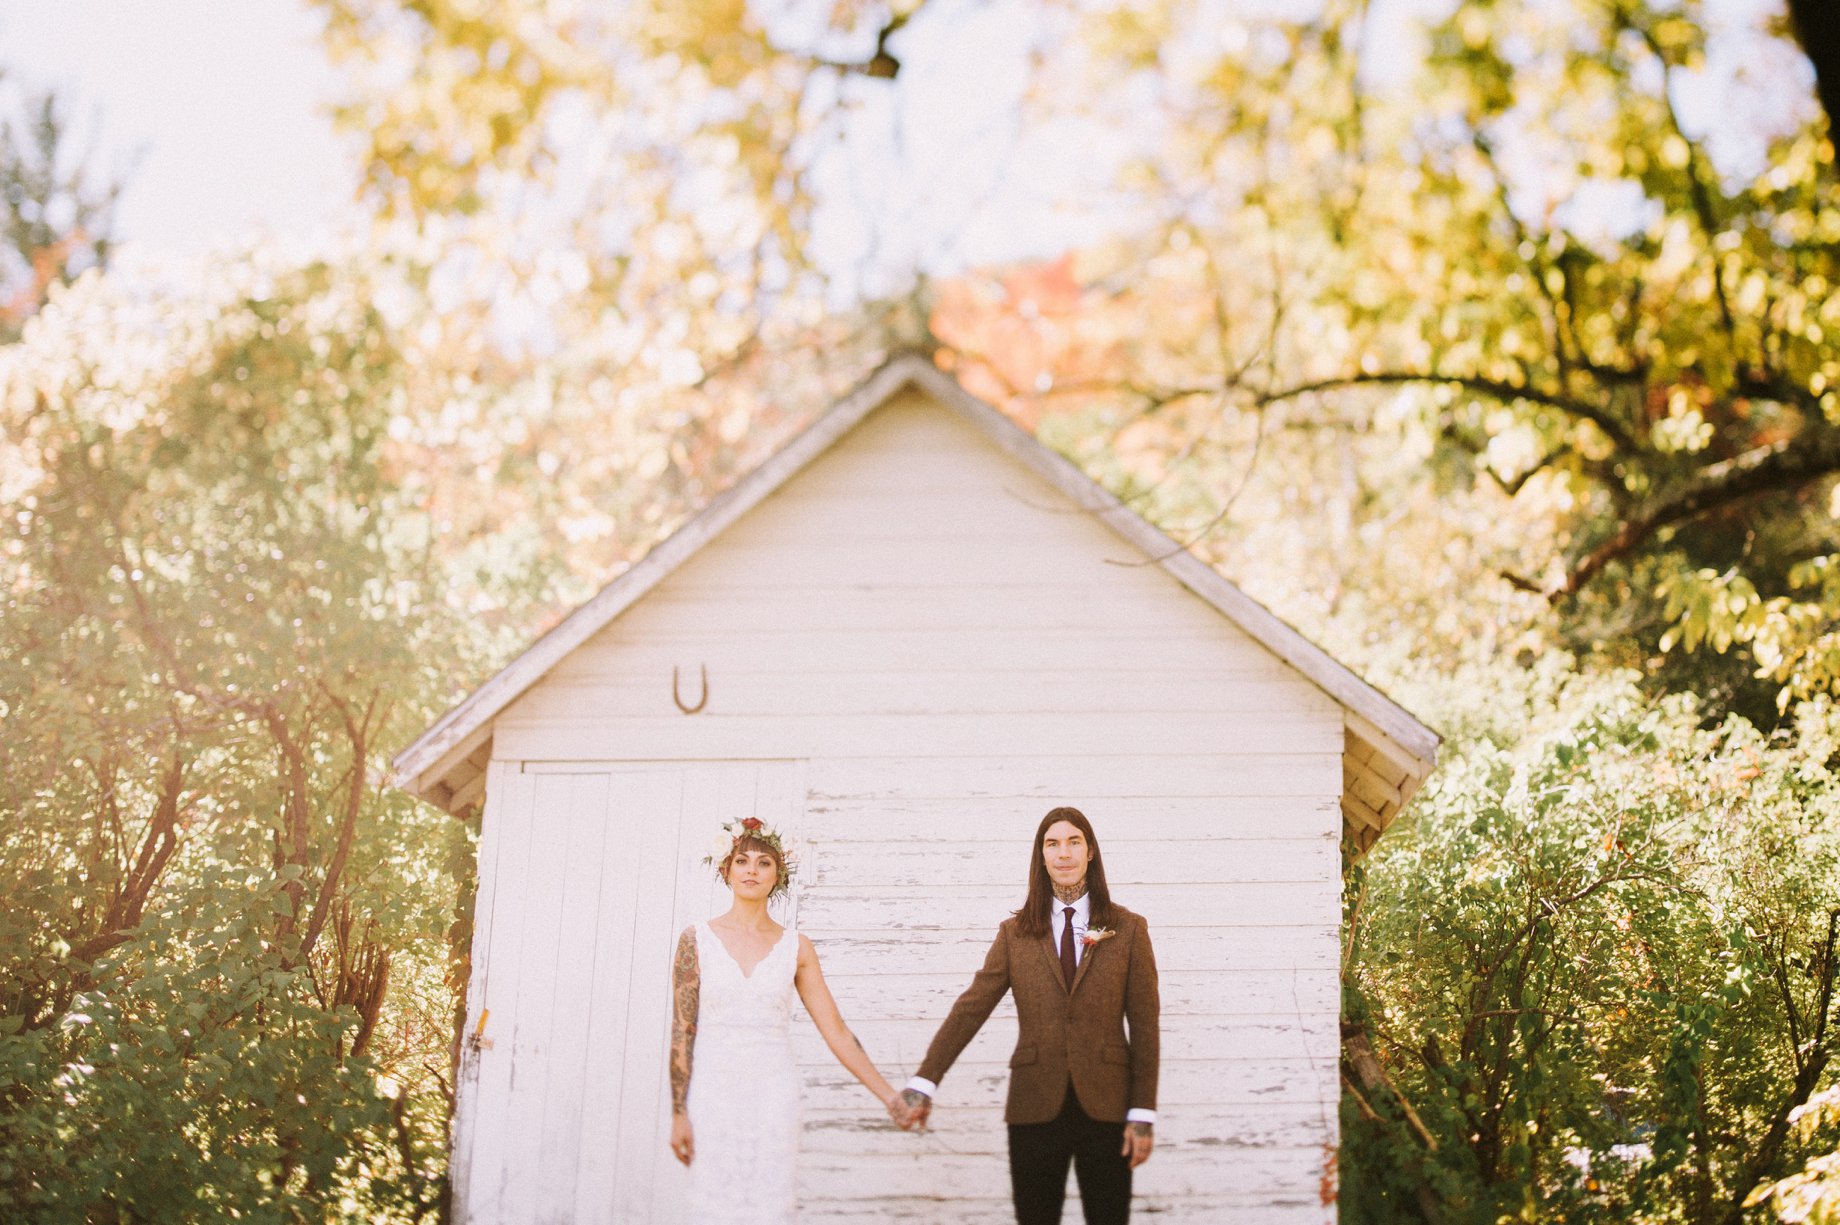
pixel 1095 934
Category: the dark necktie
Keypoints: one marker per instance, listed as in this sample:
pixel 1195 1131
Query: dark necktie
pixel 1067 947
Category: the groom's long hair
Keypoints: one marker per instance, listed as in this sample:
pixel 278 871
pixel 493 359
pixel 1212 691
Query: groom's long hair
pixel 1032 919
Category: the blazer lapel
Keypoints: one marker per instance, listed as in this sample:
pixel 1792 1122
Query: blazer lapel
pixel 1086 959
pixel 1054 962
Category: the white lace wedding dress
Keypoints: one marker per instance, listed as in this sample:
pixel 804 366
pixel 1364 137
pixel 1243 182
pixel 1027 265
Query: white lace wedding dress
pixel 744 1090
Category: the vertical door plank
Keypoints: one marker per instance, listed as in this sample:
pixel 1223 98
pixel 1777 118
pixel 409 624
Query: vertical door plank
pixel 644 1076
pixel 609 1002
pixel 532 1064
pixel 507 826
pixel 581 829
pixel 500 792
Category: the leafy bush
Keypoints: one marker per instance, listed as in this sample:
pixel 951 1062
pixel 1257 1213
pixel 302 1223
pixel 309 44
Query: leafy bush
pixel 1594 962
pixel 220 614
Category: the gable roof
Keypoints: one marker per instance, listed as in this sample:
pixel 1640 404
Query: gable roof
pixel 1388 751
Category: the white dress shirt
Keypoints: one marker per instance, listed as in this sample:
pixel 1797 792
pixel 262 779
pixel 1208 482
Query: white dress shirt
pixel 1057 922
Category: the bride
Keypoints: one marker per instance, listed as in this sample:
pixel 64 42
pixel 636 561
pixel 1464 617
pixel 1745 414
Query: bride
pixel 734 1090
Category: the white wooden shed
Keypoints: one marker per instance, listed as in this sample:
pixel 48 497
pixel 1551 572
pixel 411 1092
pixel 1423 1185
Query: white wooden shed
pixel 920 629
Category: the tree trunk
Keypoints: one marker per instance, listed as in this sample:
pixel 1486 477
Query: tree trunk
pixel 1363 1067
pixel 1817 26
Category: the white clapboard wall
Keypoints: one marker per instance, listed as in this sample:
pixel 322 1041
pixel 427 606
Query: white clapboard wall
pixel 914 648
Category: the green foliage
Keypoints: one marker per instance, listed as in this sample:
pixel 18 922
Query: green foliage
pixel 1595 959
pixel 199 1079
pixel 220 613
pixel 1516 253
pixel 1812 1193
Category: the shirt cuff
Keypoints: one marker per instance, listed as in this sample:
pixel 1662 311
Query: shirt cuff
pixel 920 1084
pixel 1140 1115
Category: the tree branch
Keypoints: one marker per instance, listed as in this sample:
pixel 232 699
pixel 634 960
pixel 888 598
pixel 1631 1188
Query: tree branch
pixel 1556 326
pixel 357 736
pixel 1697 188
pixel 1362 1067
pixel 1497 389
pixel 1784 465
pixel 1763 1155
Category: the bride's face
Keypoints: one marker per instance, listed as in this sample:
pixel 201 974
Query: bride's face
pixel 752 874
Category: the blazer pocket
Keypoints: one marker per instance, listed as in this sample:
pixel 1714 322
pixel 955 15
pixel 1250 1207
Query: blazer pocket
pixel 1116 1052
pixel 1024 1054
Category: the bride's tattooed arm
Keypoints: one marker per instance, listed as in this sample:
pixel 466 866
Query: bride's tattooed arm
pixel 685 990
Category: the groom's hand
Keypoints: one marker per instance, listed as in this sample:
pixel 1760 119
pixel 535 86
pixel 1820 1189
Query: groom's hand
pixel 918 1106
pixel 1139 1139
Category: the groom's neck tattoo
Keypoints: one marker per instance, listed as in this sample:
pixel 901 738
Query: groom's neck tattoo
pixel 1071 893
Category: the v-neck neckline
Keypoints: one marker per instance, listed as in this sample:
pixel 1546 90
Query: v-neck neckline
pixel 736 961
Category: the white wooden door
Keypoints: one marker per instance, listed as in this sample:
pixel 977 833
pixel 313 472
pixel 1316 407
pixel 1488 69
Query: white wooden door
pixel 587 872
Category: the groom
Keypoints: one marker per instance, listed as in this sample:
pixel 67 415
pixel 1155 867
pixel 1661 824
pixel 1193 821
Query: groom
pixel 1082 1090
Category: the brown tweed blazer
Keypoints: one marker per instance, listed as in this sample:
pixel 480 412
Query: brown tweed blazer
pixel 1064 1035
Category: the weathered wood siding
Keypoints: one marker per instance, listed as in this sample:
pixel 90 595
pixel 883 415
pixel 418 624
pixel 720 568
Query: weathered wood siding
pixel 586 872
pixel 950 648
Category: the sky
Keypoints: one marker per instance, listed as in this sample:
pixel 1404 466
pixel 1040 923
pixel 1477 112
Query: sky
pixel 217 116
pixel 215 113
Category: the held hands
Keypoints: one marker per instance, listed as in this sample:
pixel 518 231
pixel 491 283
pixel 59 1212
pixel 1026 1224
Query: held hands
pixel 1139 1139
pixel 909 1109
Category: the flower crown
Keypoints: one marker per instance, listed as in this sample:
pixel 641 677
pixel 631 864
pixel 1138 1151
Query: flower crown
pixel 733 832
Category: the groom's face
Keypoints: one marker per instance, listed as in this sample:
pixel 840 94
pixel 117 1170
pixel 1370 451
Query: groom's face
pixel 1065 852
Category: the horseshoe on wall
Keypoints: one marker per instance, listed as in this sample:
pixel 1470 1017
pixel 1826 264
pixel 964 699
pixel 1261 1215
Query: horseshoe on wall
pixel 700 702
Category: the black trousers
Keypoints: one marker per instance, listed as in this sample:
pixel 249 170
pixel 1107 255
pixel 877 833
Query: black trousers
pixel 1038 1157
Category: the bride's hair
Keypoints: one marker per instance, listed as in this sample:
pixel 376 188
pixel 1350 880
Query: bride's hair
pixel 1032 919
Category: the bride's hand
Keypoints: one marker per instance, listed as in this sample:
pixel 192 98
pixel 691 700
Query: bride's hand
pixel 683 1145
pixel 910 1109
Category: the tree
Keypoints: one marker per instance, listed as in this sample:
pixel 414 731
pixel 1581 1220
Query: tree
pixel 688 133
pixel 1528 248
pixel 210 641
pixel 56 222
pixel 1591 979
pixel 1819 33
pixel 1589 295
